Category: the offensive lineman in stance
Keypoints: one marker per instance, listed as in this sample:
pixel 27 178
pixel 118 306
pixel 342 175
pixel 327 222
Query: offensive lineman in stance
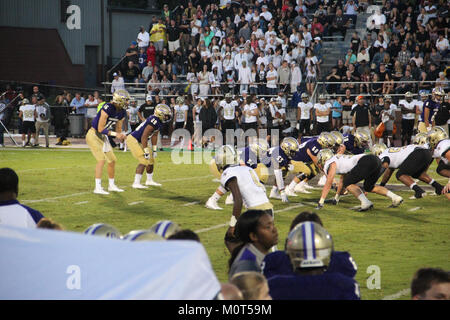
pixel 137 142
pixel 110 114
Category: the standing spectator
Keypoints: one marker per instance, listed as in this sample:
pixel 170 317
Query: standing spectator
pixel 322 111
pixel 91 109
pixel 351 10
pixel 142 59
pixel 208 118
pixel 339 24
pixel 203 80
pixel 272 80
pixel 158 35
pixel 296 77
pixel 36 93
pixel 336 114
pixel 361 115
pixel 3 110
pixel 173 36
pixel 347 103
pixel 28 116
pixel 117 83
pixel 185 27
pixel 42 115
pixel 78 105
pixel 387 117
pixel 143 39
pixel 146 109
pixel 244 77
pixel 12 212
pixel 284 75
pixel 197 137
pixel 151 53
pixel 60 114
pixel 430 284
pixel 332 77
pixel 132 113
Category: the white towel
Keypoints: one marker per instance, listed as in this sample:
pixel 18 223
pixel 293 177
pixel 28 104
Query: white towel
pixel 106 145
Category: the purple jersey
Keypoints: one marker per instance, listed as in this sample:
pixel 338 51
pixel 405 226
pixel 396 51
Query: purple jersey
pixel 349 143
pixel 278 263
pixel 326 286
pixel 114 116
pixel 433 106
pixel 153 121
pixel 250 159
pixel 313 146
pixel 278 158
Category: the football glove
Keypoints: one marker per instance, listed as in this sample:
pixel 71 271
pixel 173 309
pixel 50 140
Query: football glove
pixel 284 197
pixel 319 206
pixel 147 153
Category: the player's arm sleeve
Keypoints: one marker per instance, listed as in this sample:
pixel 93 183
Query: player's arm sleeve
pixel 279 178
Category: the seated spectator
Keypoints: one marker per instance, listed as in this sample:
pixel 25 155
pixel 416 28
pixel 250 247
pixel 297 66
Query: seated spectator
pixel 257 233
pixel 230 292
pixel 12 212
pixel 363 55
pixel 442 45
pixel 339 24
pixel 430 284
pixel 147 71
pixel 131 73
pixel 404 55
pixel 350 57
pixel 184 234
pixel 117 83
pixel 47 223
pixel 132 54
pixel 253 285
pixel 332 77
pixel 310 279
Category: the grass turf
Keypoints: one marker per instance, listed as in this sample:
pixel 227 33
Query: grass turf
pixel 59 183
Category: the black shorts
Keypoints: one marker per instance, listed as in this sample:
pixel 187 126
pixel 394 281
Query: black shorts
pixel 368 169
pixel 415 164
pixel 28 126
pixel 252 125
pixel 407 127
pixel 323 127
pixel 304 126
pixel 228 124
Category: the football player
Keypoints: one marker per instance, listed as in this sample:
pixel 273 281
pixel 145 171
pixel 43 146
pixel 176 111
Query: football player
pixel 180 110
pixel 112 113
pixel 419 108
pixel 280 157
pixel 137 142
pixel 310 248
pixel 305 161
pixel 408 108
pixel 244 185
pixel 278 262
pixel 440 145
pixel 304 116
pixel 430 108
pixel 255 157
pixel 353 169
pixel 412 161
pixel 227 113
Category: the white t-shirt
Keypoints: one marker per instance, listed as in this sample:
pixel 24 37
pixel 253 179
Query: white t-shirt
pixel 228 109
pixel 410 106
pixel 322 107
pixel 441 147
pixel 145 39
pixel 180 112
pixel 272 83
pixel 250 107
pixel 133 114
pixel 397 155
pixel 28 112
pixel 305 110
pixel 91 112
pixel 344 163
pixel 252 190
pixel 12 213
pixel 42 110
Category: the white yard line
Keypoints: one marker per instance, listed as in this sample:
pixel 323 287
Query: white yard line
pixel 397 295
pixel 191 203
pixel 134 203
pixel 81 202
pixel 55 198
pixel 414 209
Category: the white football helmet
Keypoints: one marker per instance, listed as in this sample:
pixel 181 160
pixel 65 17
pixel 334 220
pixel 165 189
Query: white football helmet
pixel 142 235
pixel 165 228
pixel 103 230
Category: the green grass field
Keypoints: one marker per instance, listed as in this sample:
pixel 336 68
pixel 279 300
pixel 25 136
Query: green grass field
pixel 59 183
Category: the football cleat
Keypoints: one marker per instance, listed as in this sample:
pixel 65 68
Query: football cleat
pixel 274 194
pixel 100 191
pixel 229 199
pixel 396 201
pixel 290 192
pixel 307 186
pixel 211 204
pixel 114 188
pixel 300 188
pixel 366 207
pixel 139 186
pixel 152 183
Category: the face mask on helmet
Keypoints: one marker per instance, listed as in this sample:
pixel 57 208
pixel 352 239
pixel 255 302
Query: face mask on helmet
pixel 378 149
pixel 225 156
pixel 289 146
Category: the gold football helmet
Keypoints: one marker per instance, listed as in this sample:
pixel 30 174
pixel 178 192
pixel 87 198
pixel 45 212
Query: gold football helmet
pixel 120 98
pixel 226 155
pixel 436 135
pixel 165 228
pixel 362 137
pixel 309 245
pixel 378 148
pixel 338 137
pixel 326 140
pixel 163 112
pixel 324 155
pixel 142 235
pixel 420 138
pixel 103 230
pixel 289 146
pixel 438 94
pixel 260 147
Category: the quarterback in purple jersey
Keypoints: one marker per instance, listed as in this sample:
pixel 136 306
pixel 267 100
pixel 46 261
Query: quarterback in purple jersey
pixel 430 108
pixel 137 142
pixel 110 114
pixel 310 247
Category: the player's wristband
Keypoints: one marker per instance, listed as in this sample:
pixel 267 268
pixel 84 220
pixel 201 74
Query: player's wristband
pixel 322 201
pixel 233 221
pixel 146 150
pixel 155 148
pixel 112 133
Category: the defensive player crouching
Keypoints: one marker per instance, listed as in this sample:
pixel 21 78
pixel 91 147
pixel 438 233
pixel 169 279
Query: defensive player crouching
pixel 412 161
pixel 110 114
pixel 137 142
pixel 255 157
pixel 353 169
pixel 245 187
pixel 440 146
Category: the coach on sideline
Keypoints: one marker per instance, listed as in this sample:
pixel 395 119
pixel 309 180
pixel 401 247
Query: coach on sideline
pixel 13 213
